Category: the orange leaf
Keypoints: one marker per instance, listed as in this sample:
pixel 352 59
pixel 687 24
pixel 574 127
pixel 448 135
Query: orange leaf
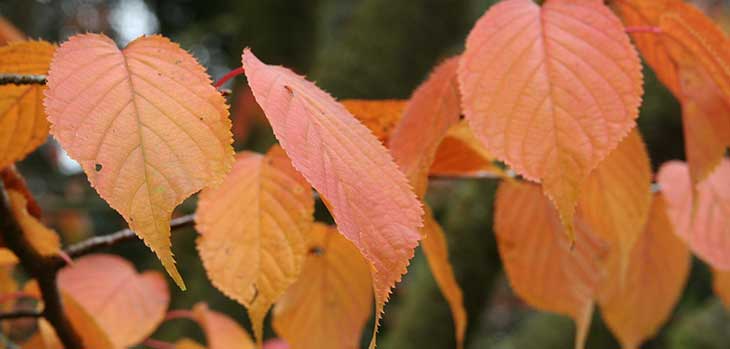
pixel 436 250
pixel 462 154
pixel 23 125
pixel 431 111
pixel 8 32
pixel 43 240
pixel 380 115
pixel 721 286
pixel 616 197
pixel 145 124
pixel 332 299
pixel 540 264
pixel 548 92
pixel 370 199
pixel 128 306
pixel 221 332
pixel 691 57
pixel 253 230
pixel 706 225
pixel 643 299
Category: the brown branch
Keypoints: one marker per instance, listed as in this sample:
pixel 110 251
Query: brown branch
pixel 22 79
pixel 43 269
pixel 20 314
pixel 99 242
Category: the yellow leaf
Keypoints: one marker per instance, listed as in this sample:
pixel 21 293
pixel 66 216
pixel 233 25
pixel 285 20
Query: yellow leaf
pixel 540 264
pixel 145 124
pixel 332 299
pixel 23 125
pixel 43 240
pixel 436 250
pixel 642 300
pixel 616 197
pixel 253 230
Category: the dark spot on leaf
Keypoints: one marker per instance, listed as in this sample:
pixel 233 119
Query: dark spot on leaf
pixel 288 89
pixel 97 167
pixel 317 251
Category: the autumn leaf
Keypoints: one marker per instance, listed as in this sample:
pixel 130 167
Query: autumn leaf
pixel 44 240
pixel 187 343
pixel 436 250
pixel 8 32
pixel 127 305
pixel 532 242
pixel 23 125
pixel 428 115
pixel 616 197
pixel 145 124
pixel 721 286
pixel 690 56
pixel 462 154
pixel 379 115
pixel 253 229
pixel 705 227
pixel 368 196
pixel 84 323
pixel 642 300
pixel 331 301
pixel 549 94
pixel 221 332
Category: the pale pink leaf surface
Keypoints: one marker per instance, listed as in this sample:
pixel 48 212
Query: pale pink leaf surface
pixel 369 198
pixel 551 90
pixel 145 124
pixel 127 305
pixel 705 226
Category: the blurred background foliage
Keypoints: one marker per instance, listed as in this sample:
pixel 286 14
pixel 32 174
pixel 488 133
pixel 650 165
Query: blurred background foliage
pixel 353 49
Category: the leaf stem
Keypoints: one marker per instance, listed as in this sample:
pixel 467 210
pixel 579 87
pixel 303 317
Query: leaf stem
pixel 230 75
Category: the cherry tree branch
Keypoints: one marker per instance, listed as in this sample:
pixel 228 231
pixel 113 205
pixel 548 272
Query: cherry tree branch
pixel 22 79
pixel 43 269
pixel 99 242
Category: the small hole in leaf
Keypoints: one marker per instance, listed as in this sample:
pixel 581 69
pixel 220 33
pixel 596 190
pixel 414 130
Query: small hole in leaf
pixel 97 167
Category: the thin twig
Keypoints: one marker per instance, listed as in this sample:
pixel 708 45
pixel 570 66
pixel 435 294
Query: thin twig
pixel 99 242
pixel 19 314
pixel 41 268
pixel 22 79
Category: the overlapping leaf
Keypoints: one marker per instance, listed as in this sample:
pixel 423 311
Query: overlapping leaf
pixel 642 300
pixel 221 332
pixel 428 115
pixel 704 225
pixel 254 230
pixel 368 196
pixel 462 154
pixel 436 249
pixel 8 32
pixel 616 197
pixel 691 57
pixel 84 323
pixel 44 240
pixel 23 124
pixel 332 300
pixel 721 286
pixel 144 123
pixel 128 306
pixel 540 264
pixel 380 116
pixel 549 93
